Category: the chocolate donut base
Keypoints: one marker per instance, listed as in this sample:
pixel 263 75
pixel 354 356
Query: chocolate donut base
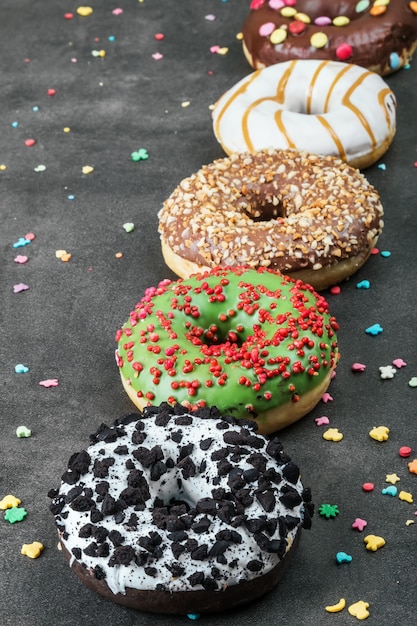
pixel 183 602
pixel 321 279
pixel 273 420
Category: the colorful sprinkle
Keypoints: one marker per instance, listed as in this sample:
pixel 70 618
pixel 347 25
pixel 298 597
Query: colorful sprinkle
pixel 390 491
pixel 329 510
pixel 87 169
pixel 368 486
pixel 15 514
pixel 373 542
pixel 129 227
pixel 21 369
pixel 392 478
pixel 399 363
pixel 84 11
pixel 363 284
pixel 9 502
pixel 404 451
pixel 50 382
pixel 326 397
pixel 140 155
pixel 375 329
pixel 412 466
pixel 22 241
pixel 359 609
pixel 332 434
pixel 20 287
pixel 22 432
pixel 387 371
pixel 379 433
pixel 342 557
pixel 406 496
pixel 322 421
pixel 359 524
pixel 358 367
pixel 413 382
pixel 335 608
pixel 32 550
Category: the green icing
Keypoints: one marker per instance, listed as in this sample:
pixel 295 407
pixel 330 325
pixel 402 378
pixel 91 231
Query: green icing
pixel 242 340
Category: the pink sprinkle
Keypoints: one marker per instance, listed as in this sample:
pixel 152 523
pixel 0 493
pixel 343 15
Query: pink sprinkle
pixel 157 56
pixel 266 29
pixel 335 290
pixel 326 397
pixel 214 49
pixel 51 92
pixel 322 421
pixel 30 142
pixel 368 486
pixel 159 36
pixel 358 367
pixel 21 259
pixel 323 20
pixel 30 236
pixel 276 4
pixel 399 363
pixel 359 524
pixel 117 11
pixel 210 17
pixel 20 287
pixel 51 382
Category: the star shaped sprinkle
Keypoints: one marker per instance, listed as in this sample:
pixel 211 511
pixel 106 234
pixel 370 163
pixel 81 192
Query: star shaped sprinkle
pixel 392 478
pixel 379 433
pixel 412 466
pixel 329 510
pixel 15 514
pixel 359 524
pixel 387 371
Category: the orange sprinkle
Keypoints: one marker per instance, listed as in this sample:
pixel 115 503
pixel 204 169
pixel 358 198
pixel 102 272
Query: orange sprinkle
pixel 413 6
pixel 377 10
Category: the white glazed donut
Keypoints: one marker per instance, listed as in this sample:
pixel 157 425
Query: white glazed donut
pixel 174 511
pixel 321 107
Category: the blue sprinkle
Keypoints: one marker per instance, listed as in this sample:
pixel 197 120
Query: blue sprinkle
pixel 382 166
pixel 15 124
pixel 376 329
pixel 21 242
pixel 112 38
pixel 394 60
pixel 390 491
pixel 193 615
pixel 342 557
pixel 35 108
pixel 363 284
pixel 385 253
pixel 20 368
pixel 71 197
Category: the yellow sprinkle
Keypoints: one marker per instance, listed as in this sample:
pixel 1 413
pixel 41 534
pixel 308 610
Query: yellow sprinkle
pixel 223 50
pixel 379 433
pixel 374 542
pixel 278 36
pixel 185 104
pixel 409 522
pixel 87 169
pixel 302 17
pixel 341 20
pixel 60 253
pixel 9 502
pixel 359 609
pixel 239 36
pixel 84 11
pixel 392 478
pixel 335 608
pixel 288 12
pixel 67 129
pixel 406 496
pixel 118 255
pixel 3 167
pixel 319 40
pixel 332 434
pixel 32 550
pixel 381 3
pixel 102 53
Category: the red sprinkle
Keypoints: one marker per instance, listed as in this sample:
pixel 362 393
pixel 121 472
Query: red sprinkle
pixel 344 52
pixel 68 16
pixel 404 451
pixel 159 36
pixel 368 486
pixel 30 142
pixel 51 92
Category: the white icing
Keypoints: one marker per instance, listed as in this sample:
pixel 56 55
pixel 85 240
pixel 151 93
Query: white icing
pixel 321 107
pixel 119 577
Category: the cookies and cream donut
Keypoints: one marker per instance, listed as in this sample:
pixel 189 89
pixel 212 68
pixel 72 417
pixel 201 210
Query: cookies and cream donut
pixel 254 343
pixel 322 107
pixel 380 35
pixel 174 511
pixel 312 217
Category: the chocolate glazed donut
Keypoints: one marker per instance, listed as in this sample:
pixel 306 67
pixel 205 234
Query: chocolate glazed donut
pixel 380 36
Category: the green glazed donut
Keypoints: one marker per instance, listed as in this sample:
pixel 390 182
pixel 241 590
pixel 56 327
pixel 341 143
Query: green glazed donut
pixel 252 342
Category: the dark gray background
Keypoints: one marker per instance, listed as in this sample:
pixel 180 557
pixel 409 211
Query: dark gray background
pixel 63 327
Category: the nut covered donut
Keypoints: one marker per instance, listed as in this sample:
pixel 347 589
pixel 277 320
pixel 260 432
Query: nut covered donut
pixel 380 35
pixel 173 511
pixel 254 343
pixel 322 107
pixel 314 218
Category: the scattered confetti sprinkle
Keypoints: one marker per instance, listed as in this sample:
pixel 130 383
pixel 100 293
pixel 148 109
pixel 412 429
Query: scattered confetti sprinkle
pixel 363 284
pixel 385 253
pixel 32 550
pixel 185 104
pixel 21 369
pixel 326 397
pixel 368 486
pixel 342 557
pixel 129 227
pixel 335 290
pixel 117 11
pixel 335 608
pixel 322 421
pixel 84 11
pixel 359 609
pixel 379 433
pixel 359 524
pixel 399 363
pixel 51 92
pixel 157 56
pixel 358 367
pixel 20 287
pixel 15 514
pixel 39 168
pixel 373 542
pixel 390 491
pixel 409 522
pixel 382 166
pixel 22 241
pixel 332 434
pixel 210 17
pixel 22 432
pixel 140 155
pixel 87 169
pixel 63 255
pixel 387 371
pixel 375 329
pixel 412 466
pixel 193 615
pixel 413 382
pixel 50 382
pixel 9 502
pixel 30 142
pixel 329 510
pixel 405 496
pixel 392 478
pixel 404 451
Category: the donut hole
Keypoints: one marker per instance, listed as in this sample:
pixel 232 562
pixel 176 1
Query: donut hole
pixel 261 206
